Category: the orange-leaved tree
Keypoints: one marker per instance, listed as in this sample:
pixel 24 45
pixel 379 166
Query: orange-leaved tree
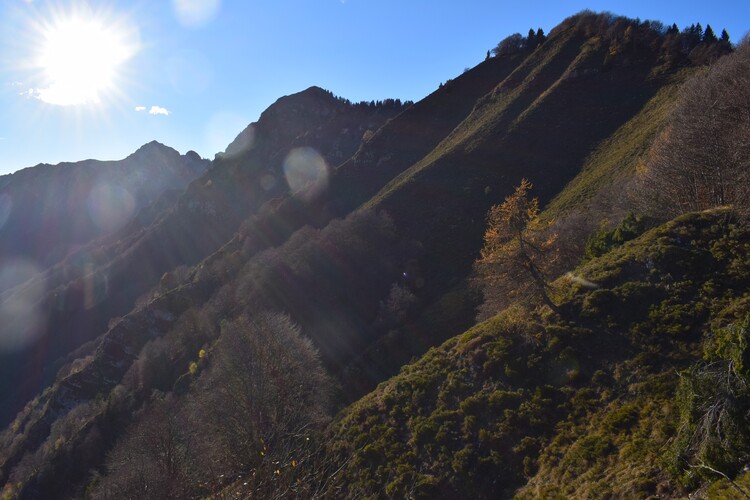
pixel 519 253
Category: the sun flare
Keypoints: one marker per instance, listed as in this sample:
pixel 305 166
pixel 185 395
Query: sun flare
pixel 80 58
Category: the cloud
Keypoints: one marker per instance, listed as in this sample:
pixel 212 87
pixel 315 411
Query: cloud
pixel 154 110
pixel 158 110
pixel 60 95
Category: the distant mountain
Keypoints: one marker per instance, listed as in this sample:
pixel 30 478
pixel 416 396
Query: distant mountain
pixel 350 232
pixel 50 215
pixel 48 211
pixel 74 300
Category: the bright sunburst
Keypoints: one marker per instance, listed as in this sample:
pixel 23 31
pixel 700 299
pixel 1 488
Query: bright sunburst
pixel 80 58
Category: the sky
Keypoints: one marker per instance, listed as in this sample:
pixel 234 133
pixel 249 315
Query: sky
pixel 98 79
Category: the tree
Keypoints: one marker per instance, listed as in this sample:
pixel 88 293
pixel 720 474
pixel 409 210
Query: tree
pixel 519 252
pixel 709 36
pixel 255 410
pixel 510 45
pixel 724 36
pixel 151 461
pixel 261 404
pixel 540 36
pixel 713 398
pixel 702 159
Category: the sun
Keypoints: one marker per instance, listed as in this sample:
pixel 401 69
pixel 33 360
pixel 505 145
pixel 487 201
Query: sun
pixel 80 57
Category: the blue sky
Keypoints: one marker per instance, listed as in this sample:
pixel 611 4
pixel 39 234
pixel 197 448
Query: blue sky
pixel 193 73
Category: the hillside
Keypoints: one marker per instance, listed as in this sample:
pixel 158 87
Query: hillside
pixel 301 321
pixel 568 112
pixel 575 406
pixel 55 219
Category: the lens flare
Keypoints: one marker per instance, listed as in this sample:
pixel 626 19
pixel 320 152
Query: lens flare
pixel 190 73
pixel 21 317
pixel 268 182
pixel 6 206
pixel 306 173
pixel 110 207
pixel 195 12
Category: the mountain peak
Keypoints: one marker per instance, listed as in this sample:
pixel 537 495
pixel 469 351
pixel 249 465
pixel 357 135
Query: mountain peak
pixel 310 96
pixel 154 146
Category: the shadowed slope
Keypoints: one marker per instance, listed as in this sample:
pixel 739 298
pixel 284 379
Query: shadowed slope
pixel 82 293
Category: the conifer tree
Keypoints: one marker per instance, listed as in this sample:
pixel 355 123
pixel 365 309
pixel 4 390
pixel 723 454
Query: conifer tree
pixel 519 252
pixel 709 36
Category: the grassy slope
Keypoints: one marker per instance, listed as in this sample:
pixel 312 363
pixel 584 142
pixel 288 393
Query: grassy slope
pixel 581 407
pixel 617 157
pixel 415 132
pixel 560 115
pixel 541 122
pixel 494 112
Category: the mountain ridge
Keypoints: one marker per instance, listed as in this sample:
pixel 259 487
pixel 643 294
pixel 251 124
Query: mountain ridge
pixel 375 269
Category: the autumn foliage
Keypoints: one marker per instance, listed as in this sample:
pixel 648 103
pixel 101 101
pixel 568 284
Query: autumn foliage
pixel 519 253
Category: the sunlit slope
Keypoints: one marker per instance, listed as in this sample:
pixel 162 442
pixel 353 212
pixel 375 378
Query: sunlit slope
pixel 616 158
pixel 568 112
pixel 579 406
pixel 414 133
pixel 542 123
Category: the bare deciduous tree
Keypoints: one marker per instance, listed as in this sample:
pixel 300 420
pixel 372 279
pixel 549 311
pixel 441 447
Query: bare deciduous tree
pixel 262 402
pixel 702 159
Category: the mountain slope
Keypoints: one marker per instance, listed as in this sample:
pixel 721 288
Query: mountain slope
pixel 410 136
pixel 50 210
pixel 478 415
pixel 568 109
pixel 579 406
pixel 73 302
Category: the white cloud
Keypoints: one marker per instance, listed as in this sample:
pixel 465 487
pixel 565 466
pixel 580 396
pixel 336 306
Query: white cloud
pixel 140 108
pixel 158 110
pixel 60 95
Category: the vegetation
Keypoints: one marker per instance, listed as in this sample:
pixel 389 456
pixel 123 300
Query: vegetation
pixel 519 252
pixel 329 347
pixel 575 408
pixel 255 412
pixel 700 160
pixel 516 43
pixel 712 398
